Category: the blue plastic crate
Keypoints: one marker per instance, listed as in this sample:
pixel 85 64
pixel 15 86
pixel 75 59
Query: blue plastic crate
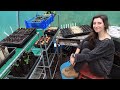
pixel 49 20
pixel 30 24
pixel 43 24
pixel 52 18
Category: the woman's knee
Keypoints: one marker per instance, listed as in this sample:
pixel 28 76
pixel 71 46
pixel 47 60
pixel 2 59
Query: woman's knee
pixel 85 51
pixel 85 45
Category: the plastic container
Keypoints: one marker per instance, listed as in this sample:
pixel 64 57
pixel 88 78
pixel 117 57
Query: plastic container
pixel 30 24
pixel 20 42
pixel 49 20
pixel 26 76
pixel 43 24
pixel 64 65
pixel 52 17
pixel 12 52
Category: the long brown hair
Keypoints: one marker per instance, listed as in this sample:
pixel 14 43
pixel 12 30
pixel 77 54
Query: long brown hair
pixel 93 35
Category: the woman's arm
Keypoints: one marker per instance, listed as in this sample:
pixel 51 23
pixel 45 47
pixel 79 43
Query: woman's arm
pixel 77 51
pixel 72 57
pixel 103 50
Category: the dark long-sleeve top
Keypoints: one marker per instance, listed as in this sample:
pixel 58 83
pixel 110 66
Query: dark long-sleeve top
pixel 103 53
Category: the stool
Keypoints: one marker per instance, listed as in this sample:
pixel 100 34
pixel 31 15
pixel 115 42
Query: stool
pixel 85 73
pixel 64 65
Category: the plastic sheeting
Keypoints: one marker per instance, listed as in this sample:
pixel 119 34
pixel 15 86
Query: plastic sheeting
pixel 8 23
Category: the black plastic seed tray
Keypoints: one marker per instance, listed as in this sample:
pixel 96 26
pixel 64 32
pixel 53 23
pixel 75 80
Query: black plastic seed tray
pixel 15 40
pixel 25 31
pixel 24 76
pixel 11 51
pixel 67 32
pixel 86 29
pixel 18 39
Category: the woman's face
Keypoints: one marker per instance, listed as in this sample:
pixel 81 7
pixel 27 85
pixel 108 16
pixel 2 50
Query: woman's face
pixel 98 25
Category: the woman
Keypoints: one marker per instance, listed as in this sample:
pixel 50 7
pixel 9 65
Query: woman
pixel 97 50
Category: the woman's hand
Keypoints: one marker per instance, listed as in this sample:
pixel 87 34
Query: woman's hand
pixel 72 60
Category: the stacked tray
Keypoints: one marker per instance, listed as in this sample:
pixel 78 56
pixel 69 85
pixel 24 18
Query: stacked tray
pixel 18 38
pixel 76 31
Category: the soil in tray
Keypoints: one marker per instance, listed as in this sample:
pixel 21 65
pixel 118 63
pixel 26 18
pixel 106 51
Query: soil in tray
pixel 14 38
pixel 76 31
pixel 43 40
pixel 38 19
pixel 51 31
pixel 23 65
pixel 24 31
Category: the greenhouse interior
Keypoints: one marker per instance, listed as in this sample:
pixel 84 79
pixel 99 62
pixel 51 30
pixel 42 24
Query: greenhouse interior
pixel 50 44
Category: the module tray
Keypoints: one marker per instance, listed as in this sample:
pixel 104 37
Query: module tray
pixel 51 31
pixel 26 31
pixel 43 42
pixel 24 71
pixel 82 30
pixel 11 51
pixel 17 40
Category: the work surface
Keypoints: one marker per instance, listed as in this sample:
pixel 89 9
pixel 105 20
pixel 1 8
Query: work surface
pixel 74 41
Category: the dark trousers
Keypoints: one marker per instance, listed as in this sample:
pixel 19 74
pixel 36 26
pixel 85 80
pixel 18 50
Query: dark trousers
pixel 94 67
